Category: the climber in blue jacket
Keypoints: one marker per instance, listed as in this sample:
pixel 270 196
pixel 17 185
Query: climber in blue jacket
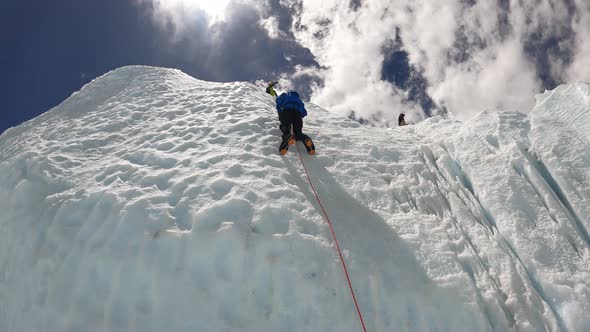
pixel 291 113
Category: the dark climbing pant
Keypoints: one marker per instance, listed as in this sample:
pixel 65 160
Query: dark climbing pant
pixel 291 119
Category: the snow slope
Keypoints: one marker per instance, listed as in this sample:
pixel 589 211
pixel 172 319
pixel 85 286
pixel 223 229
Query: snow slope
pixel 152 201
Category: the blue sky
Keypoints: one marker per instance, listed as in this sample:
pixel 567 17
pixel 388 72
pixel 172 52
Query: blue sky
pixel 369 60
pixel 51 48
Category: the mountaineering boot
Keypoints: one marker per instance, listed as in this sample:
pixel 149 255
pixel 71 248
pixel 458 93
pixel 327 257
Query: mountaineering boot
pixel 291 140
pixel 309 146
pixel 284 146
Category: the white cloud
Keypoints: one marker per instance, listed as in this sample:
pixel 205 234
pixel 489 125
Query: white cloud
pixel 271 25
pixel 351 45
pixel 474 56
pixel 580 67
pixel 496 71
pixel 179 13
pixel 498 78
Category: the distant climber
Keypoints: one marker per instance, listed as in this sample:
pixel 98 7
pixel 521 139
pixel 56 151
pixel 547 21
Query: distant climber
pixel 270 89
pixel 401 121
pixel 291 113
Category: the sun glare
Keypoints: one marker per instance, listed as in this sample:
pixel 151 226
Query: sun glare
pixel 214 8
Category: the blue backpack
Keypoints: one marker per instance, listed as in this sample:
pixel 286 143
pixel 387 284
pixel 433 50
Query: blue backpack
pixel 291 101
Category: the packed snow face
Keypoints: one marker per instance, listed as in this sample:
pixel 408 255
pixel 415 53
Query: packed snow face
pixel 153 201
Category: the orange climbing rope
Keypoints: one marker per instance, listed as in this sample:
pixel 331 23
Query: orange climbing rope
pixel 335 241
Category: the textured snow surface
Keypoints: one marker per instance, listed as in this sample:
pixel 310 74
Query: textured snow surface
pixel 152 201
